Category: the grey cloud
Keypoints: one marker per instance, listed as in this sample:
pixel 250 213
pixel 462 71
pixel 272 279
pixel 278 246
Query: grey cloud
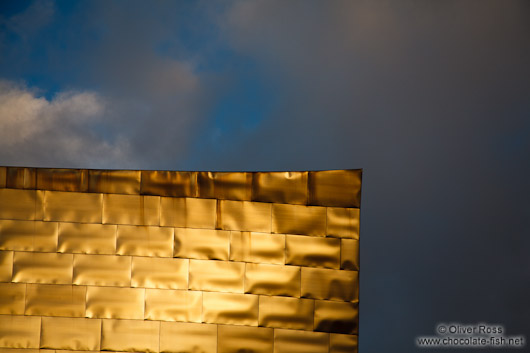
pixel 35 131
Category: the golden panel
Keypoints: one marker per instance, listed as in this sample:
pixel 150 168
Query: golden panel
pixel 257 247
pixel 173 305
pixel 321 283
pixel 343 222
pixel 21 204
pixel 219 276
pixel 6 266
pixel 340 188
pixel 225 186
pixel 115 303
pixel 62 179
pixel 85 238
pixel 229 308
pixel 283 312
pixel 180 337
pixel 28 235
pixel 12 298
pixel 72 207
pixel 55 300
pixel 159 273
pixel 290 341
pixel 3 177
pixel 168 183
pixel 19 331
pixel 281 187
pixel 34 267
pixel 188 212
pixel 349 254
pixel 297 219
pixel 339 343
pixel 272 280
pixel 130 335
pixel 21 178
pixel 312 251
pixel 245 216
pixel 145 241
pixel 131 209
pixel 337 317
pixel 114 181
pixel 102 270
pixel 77 334
pixel 237 339
pixel 206 244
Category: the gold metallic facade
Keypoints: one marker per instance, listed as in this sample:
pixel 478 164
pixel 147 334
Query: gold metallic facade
pixel 162 261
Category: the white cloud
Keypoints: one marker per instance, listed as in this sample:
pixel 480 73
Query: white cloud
pixel 35 130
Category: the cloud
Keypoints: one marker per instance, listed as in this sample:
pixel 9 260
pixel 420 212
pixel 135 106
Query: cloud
pixel 36 131
pixel 36 16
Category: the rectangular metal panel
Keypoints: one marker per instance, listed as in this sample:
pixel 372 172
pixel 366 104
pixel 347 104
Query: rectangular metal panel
pixel 225 186
pixel 21 178
pixel 272 280
pixel 3 177
pixel 257 247
pixel 102 270
pixel 34 267
pixel 280 187
pixel 114 181
pixel 130 335
pixel 339 343
pixel 21 204
pixel 169 183
pixel 188 212
pixel 237 339
pixel 6 266
pixel 85 238
pixel 131 209
pixel 245 216
pixel 208 244
pixel 327 188
pixel 343 222
pixel 28 236
pixel 55 300
pixel 72 207
pixel 321 283
pixel 77 334
pixel 12 298
pixel 312 251
pixel 159 273
pixel 229 308
pixel 297 219
pixel 289 341
pixel 284 312
pixel 349 254
pixel 180 337
pixel 62 179
pixel 145 241
pixel 336 317
pixel 19 331
pixel 220 276
pixel 115 303
pixel 173 305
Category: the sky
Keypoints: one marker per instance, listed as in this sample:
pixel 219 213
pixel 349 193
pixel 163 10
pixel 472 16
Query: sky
pixel 430 98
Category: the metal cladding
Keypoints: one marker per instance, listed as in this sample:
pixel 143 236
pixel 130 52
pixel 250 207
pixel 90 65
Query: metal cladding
pixel 165 261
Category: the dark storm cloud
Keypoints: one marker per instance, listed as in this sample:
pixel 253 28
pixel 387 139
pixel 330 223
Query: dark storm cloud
pixel 432 99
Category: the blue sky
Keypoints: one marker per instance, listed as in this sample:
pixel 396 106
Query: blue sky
pixel 430 98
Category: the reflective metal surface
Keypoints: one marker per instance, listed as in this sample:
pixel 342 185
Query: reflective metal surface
pixel 163 261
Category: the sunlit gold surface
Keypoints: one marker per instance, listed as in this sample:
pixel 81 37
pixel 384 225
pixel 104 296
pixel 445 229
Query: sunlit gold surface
pixel 28 236
pixel 202 243
pixel 73 334
pixel 161 261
